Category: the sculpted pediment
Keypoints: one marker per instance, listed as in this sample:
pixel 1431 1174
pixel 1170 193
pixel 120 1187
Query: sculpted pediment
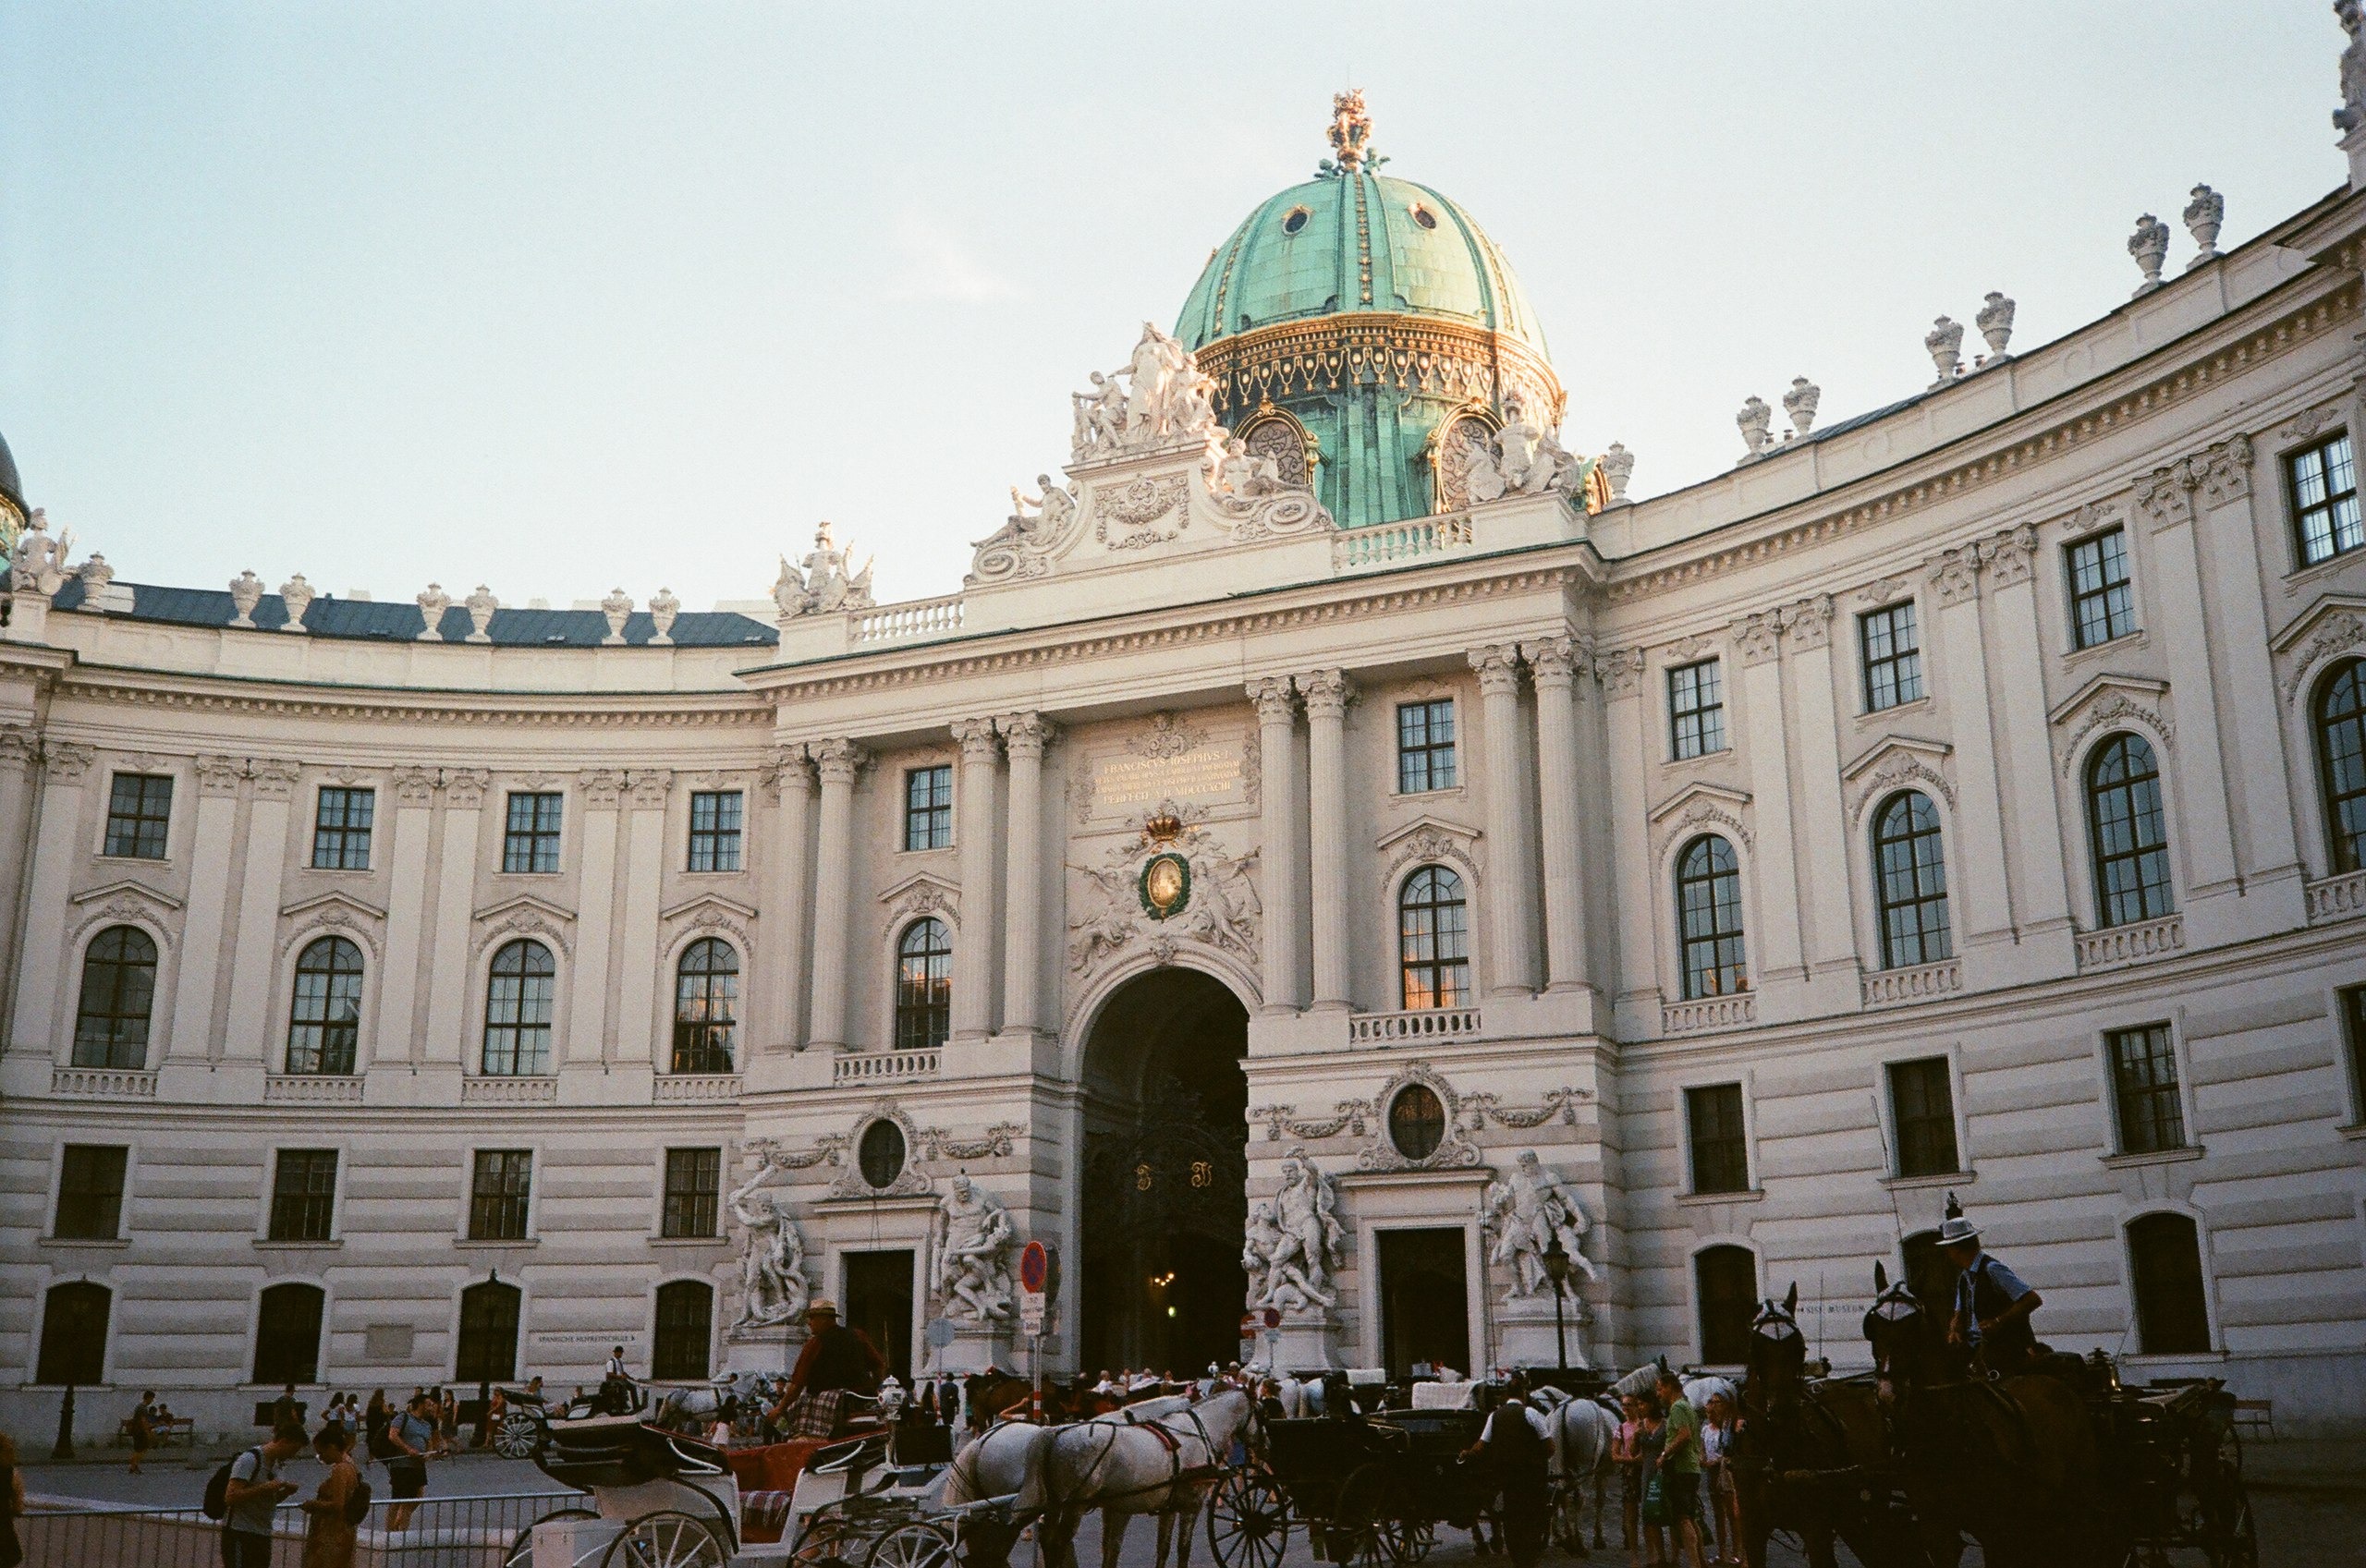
pixel 1894 761
pixel 524 915
pixel 922 892
pixel 1429 838
pixel 2109 700
pixel 323 903
pixel 127 888
pixel 2335 624
pixel 124 901
pixel 1703 804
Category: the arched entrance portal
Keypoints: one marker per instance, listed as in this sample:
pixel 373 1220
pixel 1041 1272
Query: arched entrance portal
pixel 1166 1175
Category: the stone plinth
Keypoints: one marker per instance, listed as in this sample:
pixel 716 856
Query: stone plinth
pixel 1524 1330
pixel 760 1348
pixel 977 1346
pixel 1306 1343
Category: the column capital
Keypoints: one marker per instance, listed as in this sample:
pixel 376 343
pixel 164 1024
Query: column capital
pixel 786 768
pixel 1555 661
pixel 1028 735
pixel 1956 574
pixel 1272 696
pixel 602 788
pixel 218 775
pixel 1808 623
pixel 1328 693
pixel 2166 495
pixel 275 777
pixel 650 787
pixel 977 739
pixel 1621 671
pixel 464 787
pixel 416 786
pixel 2225 471
pixel 1759 636
pixel 1498 667
pixel 19 745
pixel 838 760
pixel 2011 554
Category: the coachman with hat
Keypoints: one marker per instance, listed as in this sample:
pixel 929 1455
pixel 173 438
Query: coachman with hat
pixel 836 1361
pixel 1992 1304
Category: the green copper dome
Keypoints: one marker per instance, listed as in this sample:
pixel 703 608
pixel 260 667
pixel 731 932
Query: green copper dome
pixel 1360 330
pixel 1356 242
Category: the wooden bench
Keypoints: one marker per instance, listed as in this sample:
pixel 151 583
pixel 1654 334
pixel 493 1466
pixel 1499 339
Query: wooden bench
pixel 160 1433
pixel 2255 1417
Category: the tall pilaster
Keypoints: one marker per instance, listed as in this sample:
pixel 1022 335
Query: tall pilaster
pixel 1823 823
pixel 600 794
pixel 838 762
pixel 1025 736
pixel 637 1033
pixel 1561 670
pixel 788 867
pixel 1626 724
pixel 2199 805
pixel 59 843
pixel 20 798
pixel 450 969
pixel 1976 877
pixel 212 836
pixel 1277 748
pixel 1775 955
pixel 258 916
pixel 1327 694
pixel 2037 857
pixel 392 1038
pixel 973 938
pixel 1510 907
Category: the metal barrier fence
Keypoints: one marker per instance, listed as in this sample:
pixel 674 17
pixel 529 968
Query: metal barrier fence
pixel 441 1532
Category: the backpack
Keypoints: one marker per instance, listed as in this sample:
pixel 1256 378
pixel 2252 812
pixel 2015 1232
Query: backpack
pixel 381 1446
pixel 357 1502
pixel 216 1501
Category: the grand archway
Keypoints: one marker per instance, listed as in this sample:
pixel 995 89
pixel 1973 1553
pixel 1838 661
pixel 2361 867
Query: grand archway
pixel 1166 1175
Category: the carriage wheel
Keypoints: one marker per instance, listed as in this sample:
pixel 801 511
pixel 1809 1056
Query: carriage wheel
pixel 1365 1533
pixel 1249 1521
pixel 521 1551
pixel 917 1543
pixel 2229 1537
pixel 826 1541
pixel 665 1539
pixel 517 1438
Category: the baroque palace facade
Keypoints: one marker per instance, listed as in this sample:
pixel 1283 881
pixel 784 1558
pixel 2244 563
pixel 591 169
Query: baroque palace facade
pixel 1332 793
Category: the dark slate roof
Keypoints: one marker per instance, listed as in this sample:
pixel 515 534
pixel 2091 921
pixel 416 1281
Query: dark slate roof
pixel 393 622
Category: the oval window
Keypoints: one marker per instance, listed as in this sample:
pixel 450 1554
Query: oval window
pixel 1416 1122
pixel 1425 217
pixel 1294 220
pixel 879 1156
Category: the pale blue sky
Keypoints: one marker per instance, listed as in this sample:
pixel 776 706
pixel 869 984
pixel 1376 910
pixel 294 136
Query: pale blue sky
pixel 558 296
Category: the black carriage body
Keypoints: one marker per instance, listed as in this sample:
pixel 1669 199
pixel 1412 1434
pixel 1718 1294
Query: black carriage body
pixel 1376 1488
pixel 2171 1463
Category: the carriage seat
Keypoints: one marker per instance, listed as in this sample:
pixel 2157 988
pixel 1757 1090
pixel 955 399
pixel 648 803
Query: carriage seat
pixel 623 1451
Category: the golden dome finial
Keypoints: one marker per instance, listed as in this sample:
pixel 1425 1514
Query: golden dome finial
pixel 1350 127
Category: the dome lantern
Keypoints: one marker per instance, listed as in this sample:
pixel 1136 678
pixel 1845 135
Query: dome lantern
pixel 1358 326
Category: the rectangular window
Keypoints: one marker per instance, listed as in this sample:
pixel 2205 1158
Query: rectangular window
pixel 928 806
pixel 341 829
pixel 1713 1124
pixel 303 1194
pixel 714 830
pixel 1893 655
pixel 530 843
pixel 693 1185
pixel 2324 501
pixel 2144 1088
pixel 497 1193
pixel 89 1192
pixel 1923 1109
pixel 2103 606
pixel 2353 1040
pixel 138 812
pixel 1424 746
pixel 1696 709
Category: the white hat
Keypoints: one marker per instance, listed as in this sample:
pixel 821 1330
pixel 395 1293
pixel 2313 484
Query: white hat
pixel 1954 1227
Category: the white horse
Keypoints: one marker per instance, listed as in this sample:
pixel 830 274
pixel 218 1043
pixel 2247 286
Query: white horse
pixel 1164 1465
pixel 1583 1432
pixel 696 1409
pixel 1007 1460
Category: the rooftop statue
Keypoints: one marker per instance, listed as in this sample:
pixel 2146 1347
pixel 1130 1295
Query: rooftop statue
pixel 1165 400
pixel 824 586
pixel 38 562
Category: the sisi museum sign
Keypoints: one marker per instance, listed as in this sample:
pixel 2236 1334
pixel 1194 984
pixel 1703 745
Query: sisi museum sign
pixel 1337 852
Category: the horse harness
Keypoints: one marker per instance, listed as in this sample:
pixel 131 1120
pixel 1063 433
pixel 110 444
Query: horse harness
pixel 1178 1473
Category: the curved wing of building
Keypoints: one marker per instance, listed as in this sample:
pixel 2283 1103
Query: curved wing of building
pixel 1338 856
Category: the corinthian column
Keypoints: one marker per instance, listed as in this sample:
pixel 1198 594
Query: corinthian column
pixel 1327 695
pixel 785 869
pixel 1552 665
pixel 1509 921
pixel 973 940
pixel 1277 750
pixel 839 761
pixel 1024 736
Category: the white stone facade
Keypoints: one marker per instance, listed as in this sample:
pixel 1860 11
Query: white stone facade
pixel 1169 647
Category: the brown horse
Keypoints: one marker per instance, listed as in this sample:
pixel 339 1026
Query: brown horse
pixel 2010 1462
pixel 1810 1456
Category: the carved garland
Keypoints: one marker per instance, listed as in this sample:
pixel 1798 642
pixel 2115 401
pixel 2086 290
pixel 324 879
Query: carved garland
pixel 1435 843
pixel 1137 509
pixel 921 1145
pixel 1899 768
pixel 2340 632
pixel 1703 814
pixel 524 923
pixel 126 909
pixel 2115 708
pixel 337 922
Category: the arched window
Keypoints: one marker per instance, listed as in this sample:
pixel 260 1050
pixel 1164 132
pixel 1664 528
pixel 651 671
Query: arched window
pixel 324 1019
pixel 74 1334
pixel 2128 833
pixel 1910 882
pixel 488 1349
pixel 288 1335
pixel 2164 1256
pixel 1433 923
pixel 2340 718
pixel 1725 1280
pixel 685 1318
pixel 1708 906
pixel 923 985
pixel 706 1006
pixel 518 1012
pixel 119 992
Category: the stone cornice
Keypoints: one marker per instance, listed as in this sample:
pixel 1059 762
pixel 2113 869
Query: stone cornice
pixel 202 694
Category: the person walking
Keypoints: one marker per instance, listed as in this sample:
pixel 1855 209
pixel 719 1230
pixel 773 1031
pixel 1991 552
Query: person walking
pixel 448 1421
pixel 1517 1443
pixel 285 1410
pixel 254 1494
pixel 143 1428
pixel 1679 1470
pixel 12 1503
pixel 329 1513
pixel 408 1438
pixel 1625 1453
pixel 1718 1478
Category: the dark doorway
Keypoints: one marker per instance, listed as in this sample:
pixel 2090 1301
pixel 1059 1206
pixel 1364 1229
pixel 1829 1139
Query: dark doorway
pixel 74 1334
pixel 1425 1307
pixel 1166 1176
pixel 879 1302
pixel 1726 1280
pixel 488 1349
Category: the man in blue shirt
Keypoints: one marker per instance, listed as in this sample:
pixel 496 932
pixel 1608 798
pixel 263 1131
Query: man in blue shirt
pixel 1993 1306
